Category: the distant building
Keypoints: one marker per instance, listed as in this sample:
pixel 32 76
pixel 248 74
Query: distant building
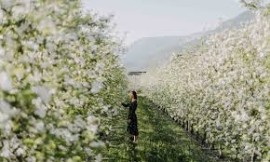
pixel 136 73
pixel 134 79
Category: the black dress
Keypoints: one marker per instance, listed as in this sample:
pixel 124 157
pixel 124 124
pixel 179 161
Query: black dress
pixel 132 118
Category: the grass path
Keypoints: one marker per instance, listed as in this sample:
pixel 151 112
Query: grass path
pixel 160 139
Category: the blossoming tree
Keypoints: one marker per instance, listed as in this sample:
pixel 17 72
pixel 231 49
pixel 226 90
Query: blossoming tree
pixel 60 80
pixel 220 90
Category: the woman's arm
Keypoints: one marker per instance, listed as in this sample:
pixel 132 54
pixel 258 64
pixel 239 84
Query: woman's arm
pixel 125 105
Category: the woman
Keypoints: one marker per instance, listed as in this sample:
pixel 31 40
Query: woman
pixel 132 118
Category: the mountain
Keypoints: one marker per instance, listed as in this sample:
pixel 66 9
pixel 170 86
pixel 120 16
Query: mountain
pixel 152 51
pixel 236 22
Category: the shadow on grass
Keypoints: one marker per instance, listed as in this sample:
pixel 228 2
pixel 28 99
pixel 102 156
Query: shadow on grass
pixel 164 140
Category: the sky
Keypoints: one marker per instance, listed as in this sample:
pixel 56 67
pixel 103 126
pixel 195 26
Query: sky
pixel 136 19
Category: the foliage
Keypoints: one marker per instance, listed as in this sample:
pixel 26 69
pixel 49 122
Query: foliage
pixel 59 75
pixel 221 90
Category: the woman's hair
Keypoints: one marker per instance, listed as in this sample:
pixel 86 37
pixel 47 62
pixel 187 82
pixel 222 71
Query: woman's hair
pixel 134 93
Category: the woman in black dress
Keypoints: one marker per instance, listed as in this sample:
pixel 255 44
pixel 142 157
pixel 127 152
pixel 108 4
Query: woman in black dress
pixel 132 118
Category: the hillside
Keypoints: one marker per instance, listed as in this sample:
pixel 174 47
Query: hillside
pixel 151 51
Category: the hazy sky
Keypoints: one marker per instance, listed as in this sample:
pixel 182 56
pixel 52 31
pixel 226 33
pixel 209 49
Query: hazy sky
pixel 146 18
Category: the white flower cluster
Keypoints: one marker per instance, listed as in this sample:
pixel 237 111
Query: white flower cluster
pixel 58 72
pixel 257 4
pixel 221 90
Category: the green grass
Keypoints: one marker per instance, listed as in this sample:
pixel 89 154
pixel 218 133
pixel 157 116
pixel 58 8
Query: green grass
pixel 160 139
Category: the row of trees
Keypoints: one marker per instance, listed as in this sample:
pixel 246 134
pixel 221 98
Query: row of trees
pixel 220 90
pixel 59 81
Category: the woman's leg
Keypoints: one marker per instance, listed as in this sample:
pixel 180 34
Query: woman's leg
pixel 135 138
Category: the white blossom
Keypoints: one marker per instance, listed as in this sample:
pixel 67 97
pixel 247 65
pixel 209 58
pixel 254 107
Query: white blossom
pixel 39 126
pixel 5 82
pixel 96 86
pixel 43 93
